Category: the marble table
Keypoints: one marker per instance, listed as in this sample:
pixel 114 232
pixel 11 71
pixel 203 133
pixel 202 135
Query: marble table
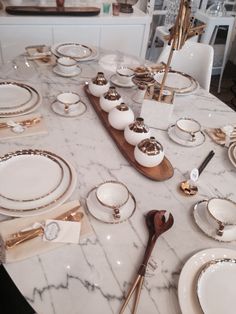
pixel 94 277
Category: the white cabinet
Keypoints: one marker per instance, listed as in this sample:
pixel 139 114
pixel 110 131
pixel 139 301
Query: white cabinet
pixel 126 32
pixel 88 34
pixel 14 38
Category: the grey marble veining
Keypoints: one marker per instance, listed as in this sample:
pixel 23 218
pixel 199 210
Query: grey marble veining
pixel 94 277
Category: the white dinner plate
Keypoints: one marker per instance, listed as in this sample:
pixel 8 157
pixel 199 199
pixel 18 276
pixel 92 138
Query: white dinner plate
pixel 73 111
pixel 72 74
pixel 55 198
pixel 216 287
pixel 97 212
pixel 187 293
pixel 92 56
pixel 199 138
pixel 209 226
pixel 112 61
pixel 73 50
pixel 180 83
pixel 29 177
pixel 232 154
pixel 116 82
pixel 24 108
pixel 13 95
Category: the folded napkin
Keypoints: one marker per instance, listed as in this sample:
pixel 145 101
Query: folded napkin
pixel 33 124
pixel 223 136
pixel 37 245
pixel 41 54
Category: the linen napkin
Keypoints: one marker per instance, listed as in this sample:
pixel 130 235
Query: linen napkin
pixel 35 129
pixel 37 245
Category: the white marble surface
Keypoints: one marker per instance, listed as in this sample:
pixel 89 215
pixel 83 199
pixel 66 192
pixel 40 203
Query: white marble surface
pixel 95 276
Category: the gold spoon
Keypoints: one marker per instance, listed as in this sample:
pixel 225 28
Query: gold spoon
pixel 186 186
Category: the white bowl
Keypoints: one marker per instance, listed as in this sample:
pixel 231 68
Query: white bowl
pixel 120 116
pixel 67 65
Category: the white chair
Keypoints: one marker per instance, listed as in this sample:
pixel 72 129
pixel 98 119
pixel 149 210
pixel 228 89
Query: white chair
pixel 195 59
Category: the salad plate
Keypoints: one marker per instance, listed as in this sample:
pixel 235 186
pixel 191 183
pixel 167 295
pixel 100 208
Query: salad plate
pixel 93 55
pixel 14 95
pixel 28 101
pixel 112 61
pixel 180 83
pixel 216 286
pixel 187 286
pixel 38 198
pixel 73 50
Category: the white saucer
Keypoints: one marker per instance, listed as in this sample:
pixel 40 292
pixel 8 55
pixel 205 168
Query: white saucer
pixel 208 226
pixel 74 73
pixel 76 110
pixel 94 208
pixel 199 139
pixel 116 82
pixel 232 153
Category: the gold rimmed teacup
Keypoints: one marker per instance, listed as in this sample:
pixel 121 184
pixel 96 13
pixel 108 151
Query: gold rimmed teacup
pixel 67 99
pixel 112 195
pixel 223 212
pixel 187 128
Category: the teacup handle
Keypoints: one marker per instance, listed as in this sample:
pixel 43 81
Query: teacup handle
pixel 116 213
pixel 220 231
pixel 193 137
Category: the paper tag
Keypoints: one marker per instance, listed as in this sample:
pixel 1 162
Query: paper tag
pixel 62 231
pixel 194 174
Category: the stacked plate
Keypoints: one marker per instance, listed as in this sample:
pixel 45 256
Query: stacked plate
pixel 34 181
pixel 76 51
pixel 17 99
pixel 180 83
pixel 207 283
pixel 232 154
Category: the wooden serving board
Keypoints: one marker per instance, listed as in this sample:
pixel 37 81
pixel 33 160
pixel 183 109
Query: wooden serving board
pixel 163 171
pixel 37 10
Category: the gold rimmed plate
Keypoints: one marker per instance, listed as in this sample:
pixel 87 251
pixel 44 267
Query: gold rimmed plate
pixel 216 286
pixel 29 176
pixel 74 50
pixel 179 82
pixel 50 201
pixel 14 95
pixel 25 108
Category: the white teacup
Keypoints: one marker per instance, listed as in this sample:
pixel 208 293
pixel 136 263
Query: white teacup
pixel 67 65
pixel 112 195
pixel 222 211
pixel 68 100
pixel 187 128
pixel 124 75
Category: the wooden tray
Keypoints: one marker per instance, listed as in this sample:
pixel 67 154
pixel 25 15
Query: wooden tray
pixel 162 172
pixel 36 10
